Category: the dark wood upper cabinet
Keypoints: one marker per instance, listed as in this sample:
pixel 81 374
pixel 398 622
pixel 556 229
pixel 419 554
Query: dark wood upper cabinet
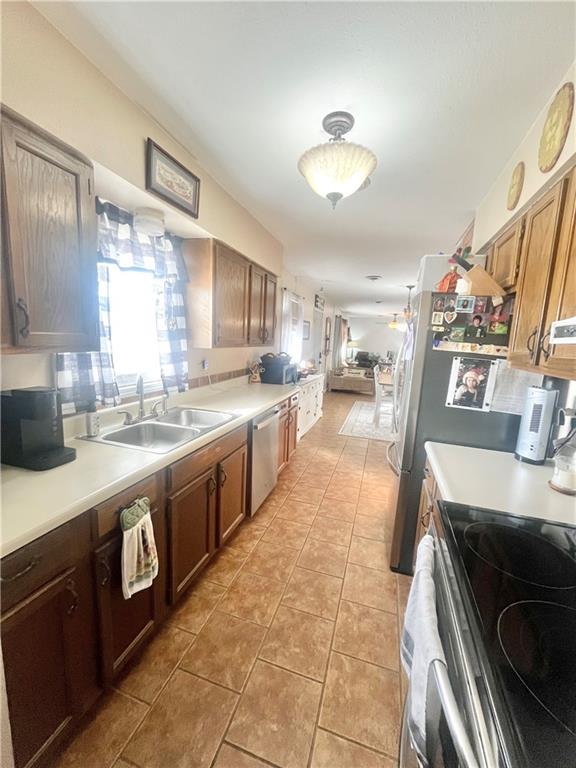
pixel 270 309
pixel 191 530
pixel 537 263
pixel 257 305
pixel 49 234
pixel 504 256
pixel 231 297
pixel 232 476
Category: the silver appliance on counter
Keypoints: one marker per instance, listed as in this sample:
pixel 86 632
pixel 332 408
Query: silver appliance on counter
pixel 264 456
pixel 536 425
pixel 420 380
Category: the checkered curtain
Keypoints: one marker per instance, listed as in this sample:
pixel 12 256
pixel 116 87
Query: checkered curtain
pixel 84 376
pixel 87 376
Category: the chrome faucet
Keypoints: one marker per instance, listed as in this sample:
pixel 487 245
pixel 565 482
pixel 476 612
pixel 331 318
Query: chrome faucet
pixel 142 415
pixel 140 393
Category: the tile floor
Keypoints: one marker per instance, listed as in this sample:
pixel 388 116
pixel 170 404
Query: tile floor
pixel 285 652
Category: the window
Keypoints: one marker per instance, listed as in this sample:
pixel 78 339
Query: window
pixel 133 334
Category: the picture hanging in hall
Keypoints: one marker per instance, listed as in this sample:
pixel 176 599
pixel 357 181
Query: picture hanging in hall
pixel 171 181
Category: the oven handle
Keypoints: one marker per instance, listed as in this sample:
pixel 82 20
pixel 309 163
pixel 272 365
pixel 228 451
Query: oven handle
pixel 452 715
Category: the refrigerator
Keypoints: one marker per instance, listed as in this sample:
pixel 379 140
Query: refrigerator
pixel 421 380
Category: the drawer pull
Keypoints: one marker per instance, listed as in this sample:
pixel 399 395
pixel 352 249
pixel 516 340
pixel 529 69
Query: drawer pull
pixel 73 607
pixel 211 485
pixel 107 575
pixel 548 350
pixel 23 307
pixel 32 564
pixel 531 338
pixel 223 477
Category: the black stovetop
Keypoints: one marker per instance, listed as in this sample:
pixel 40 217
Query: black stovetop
pixel 520 583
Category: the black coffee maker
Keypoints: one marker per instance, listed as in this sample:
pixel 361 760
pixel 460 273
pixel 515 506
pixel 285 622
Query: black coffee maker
pixel 32 431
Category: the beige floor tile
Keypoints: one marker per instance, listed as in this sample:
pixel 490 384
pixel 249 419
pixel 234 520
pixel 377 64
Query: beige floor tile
pixel 378 491
pixel 224 567
pixel 265 514
pixel 331 751
pixel 145 677
pixel 110 725
pixel 342 492
pixel 287 533
pixel 314 593
pixel 277 497
pixel 184 727
pixel 123 764
pixel 331 530
pixel 225 650
pixel 252 597
pixel 196 606
pixel 307 493
pixel 362 702
pixel 380 508
pixel 230 757
pixel 315 478
pixel 297 511
pixel 351 477
pixel 246 537
pixel 276 716
pixel 367 634
pixel 370 553
pixel 371 527
pixel 341 510
pixel 275 561
pixel 323 557
pixel 371 587
pixel 299 642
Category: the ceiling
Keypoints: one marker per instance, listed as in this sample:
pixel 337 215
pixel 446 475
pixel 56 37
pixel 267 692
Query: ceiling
pixel 441 92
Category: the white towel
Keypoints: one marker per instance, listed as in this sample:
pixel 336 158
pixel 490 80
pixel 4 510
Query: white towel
pixel 421 644
pixel 139 555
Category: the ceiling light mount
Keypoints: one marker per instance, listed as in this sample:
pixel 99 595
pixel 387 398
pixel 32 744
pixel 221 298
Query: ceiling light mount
pixel 337 124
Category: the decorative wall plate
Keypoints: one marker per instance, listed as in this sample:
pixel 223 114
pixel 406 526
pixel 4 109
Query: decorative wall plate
pixel 516 184
pixel 556 126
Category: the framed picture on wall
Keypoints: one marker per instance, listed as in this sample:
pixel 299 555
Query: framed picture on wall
pixel 305 330
pixel 170 180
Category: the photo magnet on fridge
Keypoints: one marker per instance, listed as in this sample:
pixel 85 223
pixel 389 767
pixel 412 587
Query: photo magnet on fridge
pixel 471 384
pixel 465 303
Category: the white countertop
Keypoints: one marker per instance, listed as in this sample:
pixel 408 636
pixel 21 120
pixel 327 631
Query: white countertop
pixel 34 503
pixel 496 480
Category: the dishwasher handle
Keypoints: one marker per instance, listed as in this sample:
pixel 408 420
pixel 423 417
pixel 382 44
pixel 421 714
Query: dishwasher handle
pixel 258 425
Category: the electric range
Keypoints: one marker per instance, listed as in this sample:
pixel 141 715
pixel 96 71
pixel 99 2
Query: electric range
pixel 518 583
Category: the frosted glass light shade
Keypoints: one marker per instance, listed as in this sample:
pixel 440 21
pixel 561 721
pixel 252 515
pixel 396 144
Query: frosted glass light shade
pixel 337 169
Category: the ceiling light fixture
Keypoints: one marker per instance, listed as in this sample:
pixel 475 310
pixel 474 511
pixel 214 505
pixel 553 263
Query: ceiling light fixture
pixel 393 324
pixel 337 168
pixel 373 278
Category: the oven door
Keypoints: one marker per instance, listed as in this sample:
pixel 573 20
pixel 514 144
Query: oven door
pixel 456 731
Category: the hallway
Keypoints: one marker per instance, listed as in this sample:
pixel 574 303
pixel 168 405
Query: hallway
pixel 285 652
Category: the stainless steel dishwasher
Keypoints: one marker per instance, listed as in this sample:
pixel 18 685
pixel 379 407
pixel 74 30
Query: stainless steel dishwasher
pixel 264 456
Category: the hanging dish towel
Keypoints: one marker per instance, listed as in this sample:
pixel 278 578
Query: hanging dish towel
pixel 421 644
pixel 139 556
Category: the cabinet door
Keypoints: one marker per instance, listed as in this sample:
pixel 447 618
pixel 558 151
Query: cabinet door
pixel 231 297
pixel 560 359
pixel 504 259
pixel 50 239
pixel 292 431
pixel 283 440
pixel 231 493
pixel 191 531
pixel 257 305
pixel 270 310
pixel 124 624
pixel 39 645
pixel 425 510
pixel 538 254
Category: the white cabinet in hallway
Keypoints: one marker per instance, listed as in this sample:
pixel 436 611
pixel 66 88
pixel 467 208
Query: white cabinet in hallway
pixel 310 405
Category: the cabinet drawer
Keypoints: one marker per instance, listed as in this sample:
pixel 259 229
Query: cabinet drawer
pixel 294 400
pixel 188 468
pixel 107 514
pixel 34 565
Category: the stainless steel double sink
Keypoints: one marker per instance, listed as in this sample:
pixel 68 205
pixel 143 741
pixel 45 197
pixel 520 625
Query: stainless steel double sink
pixel 177 427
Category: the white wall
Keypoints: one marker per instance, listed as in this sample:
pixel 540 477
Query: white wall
pixel 492 213
pixel 373 335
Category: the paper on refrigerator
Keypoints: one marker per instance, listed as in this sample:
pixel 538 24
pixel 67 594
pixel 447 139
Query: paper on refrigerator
pixel 511 387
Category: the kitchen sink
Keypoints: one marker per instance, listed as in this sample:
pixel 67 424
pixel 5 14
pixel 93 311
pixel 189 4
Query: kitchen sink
pixel 150 436
pixel 193 417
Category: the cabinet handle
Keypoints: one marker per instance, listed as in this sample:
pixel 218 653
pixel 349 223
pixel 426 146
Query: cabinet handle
pixel 223 477
pixel 71 587
pixel 103 562
pixel 23 307
pixel 211 485
pixel 548 351
pixel 531 338
pixel 32 564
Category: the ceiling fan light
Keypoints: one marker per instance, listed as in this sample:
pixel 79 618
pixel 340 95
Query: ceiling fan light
pixel 337 169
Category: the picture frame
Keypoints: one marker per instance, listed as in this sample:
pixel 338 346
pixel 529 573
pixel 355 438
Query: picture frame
pixel 306 330
pixel 171 181
pixel 465 304
pixel 437 318
pixel 471 384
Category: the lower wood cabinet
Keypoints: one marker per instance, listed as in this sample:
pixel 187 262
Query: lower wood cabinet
pixel 287 431
pixel 292 430
pixel 232 477
pixel 191 530
pixel 50 663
